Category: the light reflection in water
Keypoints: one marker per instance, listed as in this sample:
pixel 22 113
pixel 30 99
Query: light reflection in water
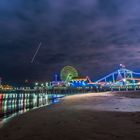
pixel 17 103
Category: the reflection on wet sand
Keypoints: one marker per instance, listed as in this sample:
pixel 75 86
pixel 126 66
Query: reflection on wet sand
pixel 15 104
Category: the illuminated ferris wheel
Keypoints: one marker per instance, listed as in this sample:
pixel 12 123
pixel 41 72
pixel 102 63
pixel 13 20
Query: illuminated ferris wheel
pixel 67 73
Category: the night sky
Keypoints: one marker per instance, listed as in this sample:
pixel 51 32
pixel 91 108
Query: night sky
pixel 94 36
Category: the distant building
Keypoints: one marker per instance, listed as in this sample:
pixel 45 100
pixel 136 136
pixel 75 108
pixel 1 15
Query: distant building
pixel 57 83
pixel 81 82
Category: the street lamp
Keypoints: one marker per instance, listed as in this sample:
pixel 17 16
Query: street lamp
pixel 36 84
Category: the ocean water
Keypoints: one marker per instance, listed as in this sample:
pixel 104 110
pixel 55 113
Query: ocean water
pixel 14 104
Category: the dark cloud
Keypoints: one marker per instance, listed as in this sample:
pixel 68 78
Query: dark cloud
pixel 93 35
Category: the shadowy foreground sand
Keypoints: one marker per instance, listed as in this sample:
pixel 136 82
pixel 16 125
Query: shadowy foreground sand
pixel 94 116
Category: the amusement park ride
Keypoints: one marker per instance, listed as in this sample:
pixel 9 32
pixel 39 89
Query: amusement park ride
pixel 120 78
pixel 70 78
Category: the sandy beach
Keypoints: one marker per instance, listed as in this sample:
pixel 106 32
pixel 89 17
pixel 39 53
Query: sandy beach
pixel 92 116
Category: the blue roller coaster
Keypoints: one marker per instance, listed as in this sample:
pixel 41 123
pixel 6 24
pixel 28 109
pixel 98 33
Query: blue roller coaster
pixel 120 78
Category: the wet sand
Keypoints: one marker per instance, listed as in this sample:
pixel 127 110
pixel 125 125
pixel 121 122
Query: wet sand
pixel 93 116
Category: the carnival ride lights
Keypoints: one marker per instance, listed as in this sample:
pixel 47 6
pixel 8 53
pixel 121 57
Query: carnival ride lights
pixel 67 73
pixel 121 77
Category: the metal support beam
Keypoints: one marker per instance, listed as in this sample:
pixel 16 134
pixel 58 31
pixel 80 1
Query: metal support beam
pixel 113 77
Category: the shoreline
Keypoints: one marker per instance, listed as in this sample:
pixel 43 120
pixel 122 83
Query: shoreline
pixel 79 116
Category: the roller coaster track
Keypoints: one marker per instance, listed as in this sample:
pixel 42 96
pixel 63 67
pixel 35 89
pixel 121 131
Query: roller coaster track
pixel 123 72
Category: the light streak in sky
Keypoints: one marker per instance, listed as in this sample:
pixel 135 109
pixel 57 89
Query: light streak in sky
pixel 38 48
